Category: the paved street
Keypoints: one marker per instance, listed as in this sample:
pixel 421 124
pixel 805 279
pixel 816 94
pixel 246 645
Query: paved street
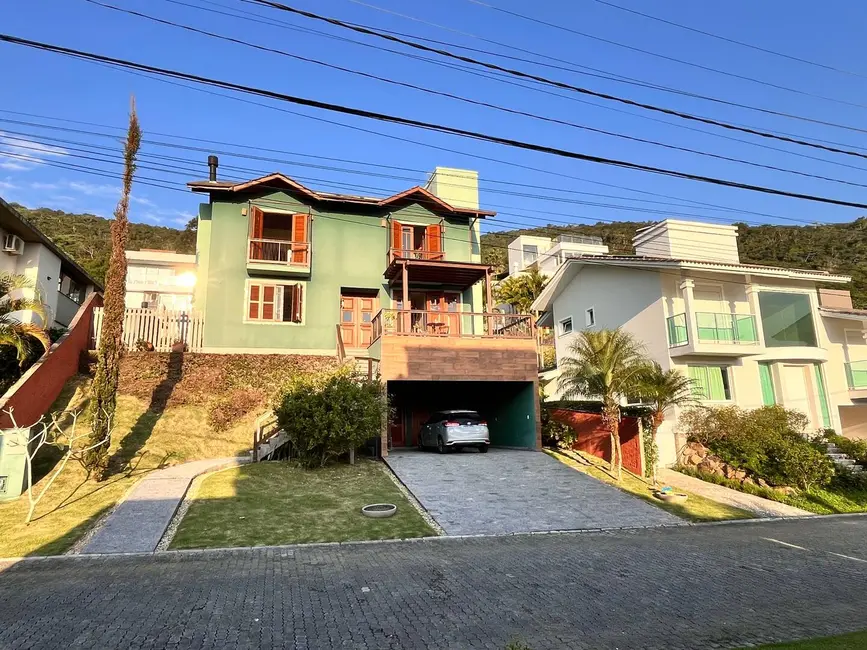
pixel 509 491
pixel 675 588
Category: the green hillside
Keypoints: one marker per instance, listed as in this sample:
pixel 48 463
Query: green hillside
pixel 837 248
pixel 87 238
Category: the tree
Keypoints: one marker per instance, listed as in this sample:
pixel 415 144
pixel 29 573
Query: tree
pixel 663 389
pixel 604 364
pixel 104 389
pixel 21 336
pixel 521 290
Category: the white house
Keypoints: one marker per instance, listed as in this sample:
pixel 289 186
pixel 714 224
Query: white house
pixel 158 279
pixel 749 335
pixel 548 254
pixel 61 282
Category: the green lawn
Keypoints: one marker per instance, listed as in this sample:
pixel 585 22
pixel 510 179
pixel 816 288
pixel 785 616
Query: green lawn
pixel 279 503
pixel 855 641
pixel 695 509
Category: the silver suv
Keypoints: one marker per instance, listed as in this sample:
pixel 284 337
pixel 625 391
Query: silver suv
pixel 454 429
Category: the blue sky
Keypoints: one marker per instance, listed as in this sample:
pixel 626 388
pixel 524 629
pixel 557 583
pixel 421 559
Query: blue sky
pixel 51 86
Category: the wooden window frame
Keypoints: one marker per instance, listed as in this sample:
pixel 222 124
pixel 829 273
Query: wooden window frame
pixel 297 307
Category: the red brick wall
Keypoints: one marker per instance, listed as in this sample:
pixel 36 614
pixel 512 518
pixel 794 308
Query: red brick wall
pixel 35 392
pixel 593 438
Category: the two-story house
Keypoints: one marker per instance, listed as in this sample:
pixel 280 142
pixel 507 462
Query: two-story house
pixel 547 255
pixel 283 269
pixel 62 284
pixel 160 279
pixel 748 335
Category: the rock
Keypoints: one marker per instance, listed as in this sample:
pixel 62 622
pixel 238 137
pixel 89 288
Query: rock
pixel 694 459
pixel 729 471
pixel 763 483
pixel 740 475
pixel 787 490
pixel 747 481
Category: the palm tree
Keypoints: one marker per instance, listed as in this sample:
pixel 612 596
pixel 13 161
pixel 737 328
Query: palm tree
pixel 604 364
pixel 663 389
pixel 12 331
pixel 521 290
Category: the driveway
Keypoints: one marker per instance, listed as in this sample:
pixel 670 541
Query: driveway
pixel 508 491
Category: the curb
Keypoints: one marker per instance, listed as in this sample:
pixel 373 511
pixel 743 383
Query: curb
pixel 437 539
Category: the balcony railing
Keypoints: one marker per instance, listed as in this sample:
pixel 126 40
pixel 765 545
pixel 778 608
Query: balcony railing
pixel 677 332
pixel 579 239
pixel 726 328
pixel 416 322
pixel 279 251
pixel 415 254
pixel 856 375
pixel 736 329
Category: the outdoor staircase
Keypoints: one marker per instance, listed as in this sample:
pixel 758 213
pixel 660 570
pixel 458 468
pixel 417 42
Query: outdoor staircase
pixel 841 460
pixel 268 438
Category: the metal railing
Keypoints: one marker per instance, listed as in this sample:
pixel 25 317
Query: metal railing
pixel 418 322
pixel 726 328
pixel 677 331
pixel 856 375
pixel 280 251
pixel 404 254
pixel 579 239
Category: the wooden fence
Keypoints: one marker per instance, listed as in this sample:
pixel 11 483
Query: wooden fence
pixel 159 328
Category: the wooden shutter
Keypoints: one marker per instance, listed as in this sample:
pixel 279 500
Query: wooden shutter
pixel 297 291
pixel 299 236
pixel 257 219
pixel 253 302
pixel 395 235
pixel 434 240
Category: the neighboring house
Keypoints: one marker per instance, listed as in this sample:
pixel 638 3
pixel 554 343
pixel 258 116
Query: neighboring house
pixel 159 279
pixel 286 269
pixel 749 335
pixel 62 283
pixel 549 254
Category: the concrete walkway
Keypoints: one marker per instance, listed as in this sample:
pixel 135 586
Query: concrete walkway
pixel 139 521
pixel 721 494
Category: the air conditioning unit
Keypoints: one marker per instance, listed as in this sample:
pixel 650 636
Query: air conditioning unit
pixel 13 244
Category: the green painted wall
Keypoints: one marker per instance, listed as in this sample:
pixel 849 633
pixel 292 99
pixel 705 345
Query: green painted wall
pixel 514 421
pixel 203 246
pixel 348 251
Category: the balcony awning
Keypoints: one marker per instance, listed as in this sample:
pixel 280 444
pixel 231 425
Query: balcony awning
pixel 845 314
pixel 458 274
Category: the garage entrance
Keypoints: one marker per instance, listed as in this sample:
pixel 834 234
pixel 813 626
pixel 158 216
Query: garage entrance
pixel 509 407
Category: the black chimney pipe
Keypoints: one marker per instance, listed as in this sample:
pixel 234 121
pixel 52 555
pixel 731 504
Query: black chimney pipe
pixel 213 163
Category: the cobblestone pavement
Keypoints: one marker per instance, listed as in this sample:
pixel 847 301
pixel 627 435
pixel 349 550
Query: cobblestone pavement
pixel 673 588
pixel 509 491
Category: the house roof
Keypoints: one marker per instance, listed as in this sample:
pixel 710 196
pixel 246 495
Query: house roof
pixel 567 271
pixel 459 274
pixel 13 222
pixel 278 181
pixel 845 314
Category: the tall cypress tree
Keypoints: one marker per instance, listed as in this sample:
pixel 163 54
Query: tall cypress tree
pixel 103 400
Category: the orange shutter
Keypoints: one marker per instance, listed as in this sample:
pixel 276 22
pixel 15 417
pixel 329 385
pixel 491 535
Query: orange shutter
pixel 434 240
pixel 395 235
pixel 299 236
pixel 296 303
pixel 257 218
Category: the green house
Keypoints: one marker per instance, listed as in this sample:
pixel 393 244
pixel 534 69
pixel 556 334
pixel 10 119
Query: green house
pixel 396 283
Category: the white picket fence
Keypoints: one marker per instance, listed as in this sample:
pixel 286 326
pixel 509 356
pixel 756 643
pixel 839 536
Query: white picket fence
pixel 158 327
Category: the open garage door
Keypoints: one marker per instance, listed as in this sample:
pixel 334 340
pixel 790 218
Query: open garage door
pixel 509 407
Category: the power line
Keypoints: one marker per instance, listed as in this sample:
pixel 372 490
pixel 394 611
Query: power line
pixel 347 110
pixel 461 98
pixel 730 40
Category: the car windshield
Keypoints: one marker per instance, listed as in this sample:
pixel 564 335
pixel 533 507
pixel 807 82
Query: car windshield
pixel 464 417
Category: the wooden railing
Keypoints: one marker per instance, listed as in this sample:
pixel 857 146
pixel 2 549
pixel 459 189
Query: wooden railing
pixel 280 251
pixel 417 322
pixel 267 436
pixel 403 254
pixel 156 329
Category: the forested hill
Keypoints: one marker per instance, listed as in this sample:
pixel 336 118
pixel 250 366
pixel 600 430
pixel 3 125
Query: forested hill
pixel 837 248
pixel 87 238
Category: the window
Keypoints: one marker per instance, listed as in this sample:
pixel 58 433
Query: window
pixel 767 381
pixel 3 481
pixel 566 326
pixel 531 252
pixel 70 288
pixel 274 303
pixel 787 319
pixel 590 317
pixel 711 382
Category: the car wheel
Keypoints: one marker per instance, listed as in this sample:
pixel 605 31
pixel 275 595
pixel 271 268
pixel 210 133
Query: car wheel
pixel 441 448
pixel 483 449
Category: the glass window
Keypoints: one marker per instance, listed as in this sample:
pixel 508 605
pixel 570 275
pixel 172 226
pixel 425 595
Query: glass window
pixel 767 380
pixel 566 325
pixel 590 317
pixel 531 252
pixel 787 319
pixel 406 238
pixel 711 382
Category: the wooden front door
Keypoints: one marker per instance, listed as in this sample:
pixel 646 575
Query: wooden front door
pixel 447 318
pixel 356 317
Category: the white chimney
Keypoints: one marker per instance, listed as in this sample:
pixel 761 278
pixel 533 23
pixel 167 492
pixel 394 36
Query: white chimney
pixel 457 187
pixel 688 240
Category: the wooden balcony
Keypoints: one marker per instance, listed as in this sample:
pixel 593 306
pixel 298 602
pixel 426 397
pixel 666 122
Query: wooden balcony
pixel 416 254
pixel 278 256
pixel 454 346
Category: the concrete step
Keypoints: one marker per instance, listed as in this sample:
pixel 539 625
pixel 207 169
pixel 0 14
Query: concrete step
pixel 845 462
pixel 832 449
pixel 835 456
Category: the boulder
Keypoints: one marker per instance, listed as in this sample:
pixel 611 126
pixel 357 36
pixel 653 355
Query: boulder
pixel 763 483
pixel 747 481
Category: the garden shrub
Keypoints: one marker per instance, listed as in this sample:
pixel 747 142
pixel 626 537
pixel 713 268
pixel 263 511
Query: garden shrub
pixel 326 415
pixel 766 442
pixel 855 449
